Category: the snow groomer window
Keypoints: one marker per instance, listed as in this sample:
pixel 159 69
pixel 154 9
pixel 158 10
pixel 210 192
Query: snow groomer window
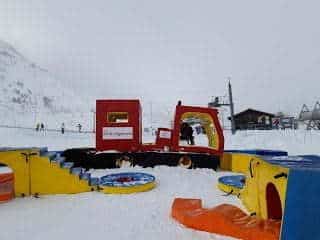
pixel 118 117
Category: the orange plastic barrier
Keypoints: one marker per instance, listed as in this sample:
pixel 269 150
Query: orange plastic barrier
pixel 6 186
pixel 224 219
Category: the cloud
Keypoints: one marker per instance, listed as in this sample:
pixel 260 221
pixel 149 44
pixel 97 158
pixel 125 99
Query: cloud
pixel 162 51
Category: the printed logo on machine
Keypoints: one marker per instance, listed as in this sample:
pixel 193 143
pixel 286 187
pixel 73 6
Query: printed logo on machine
pixel 112 133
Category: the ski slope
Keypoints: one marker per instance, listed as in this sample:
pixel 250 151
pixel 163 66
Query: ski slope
pixel 31 94
pixel 138 216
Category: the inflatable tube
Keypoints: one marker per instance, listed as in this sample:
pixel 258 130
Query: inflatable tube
pixel 231 184
pixel 126 183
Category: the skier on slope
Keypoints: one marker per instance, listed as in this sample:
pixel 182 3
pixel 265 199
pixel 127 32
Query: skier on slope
pixel 79 127
pixel 62 128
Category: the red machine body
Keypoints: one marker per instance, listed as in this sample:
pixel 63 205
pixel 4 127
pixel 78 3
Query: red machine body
pixel 118 125
pixel 164 138
pixel 163 141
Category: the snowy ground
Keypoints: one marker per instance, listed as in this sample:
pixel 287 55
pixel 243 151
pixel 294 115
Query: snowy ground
pixel 139 216
pixel 99 216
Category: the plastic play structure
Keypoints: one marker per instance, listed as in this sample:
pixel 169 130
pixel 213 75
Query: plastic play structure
pixel 38 172
pixel 128 182
pixel 279 192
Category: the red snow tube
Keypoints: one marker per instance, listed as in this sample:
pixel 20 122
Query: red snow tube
pixel 224 219
pixel 6 184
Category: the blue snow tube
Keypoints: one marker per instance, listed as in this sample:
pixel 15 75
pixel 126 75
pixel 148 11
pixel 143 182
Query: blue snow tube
pixel 127 182
pixel 231 184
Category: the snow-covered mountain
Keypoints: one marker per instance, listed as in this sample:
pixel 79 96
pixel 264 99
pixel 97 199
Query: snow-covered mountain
pixel 30 94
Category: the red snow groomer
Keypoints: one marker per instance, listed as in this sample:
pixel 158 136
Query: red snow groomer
pixel 119 137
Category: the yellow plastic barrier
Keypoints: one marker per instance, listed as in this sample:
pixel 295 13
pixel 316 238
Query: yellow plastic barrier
pixel 226 162
pixel 264 193
pixel 49 178
pixel 35 174
pixel 236 162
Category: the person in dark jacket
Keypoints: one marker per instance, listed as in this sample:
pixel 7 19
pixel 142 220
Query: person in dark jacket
pixel 189 134
pixel 183 133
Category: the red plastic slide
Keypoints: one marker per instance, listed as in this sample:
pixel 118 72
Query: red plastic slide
pixel 224 219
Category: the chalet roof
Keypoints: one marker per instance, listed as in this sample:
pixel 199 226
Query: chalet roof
pixel 254 110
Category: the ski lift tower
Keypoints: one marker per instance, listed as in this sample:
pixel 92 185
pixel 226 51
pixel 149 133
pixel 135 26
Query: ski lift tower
pixel 310 117
pixel 219 102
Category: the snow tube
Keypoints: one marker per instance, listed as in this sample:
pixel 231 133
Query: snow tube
pixel 6 184
pixel 128 182
pixel 224 219
pixel 231 184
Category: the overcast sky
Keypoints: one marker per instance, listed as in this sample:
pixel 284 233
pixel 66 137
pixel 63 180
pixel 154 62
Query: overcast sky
pixel 170 49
